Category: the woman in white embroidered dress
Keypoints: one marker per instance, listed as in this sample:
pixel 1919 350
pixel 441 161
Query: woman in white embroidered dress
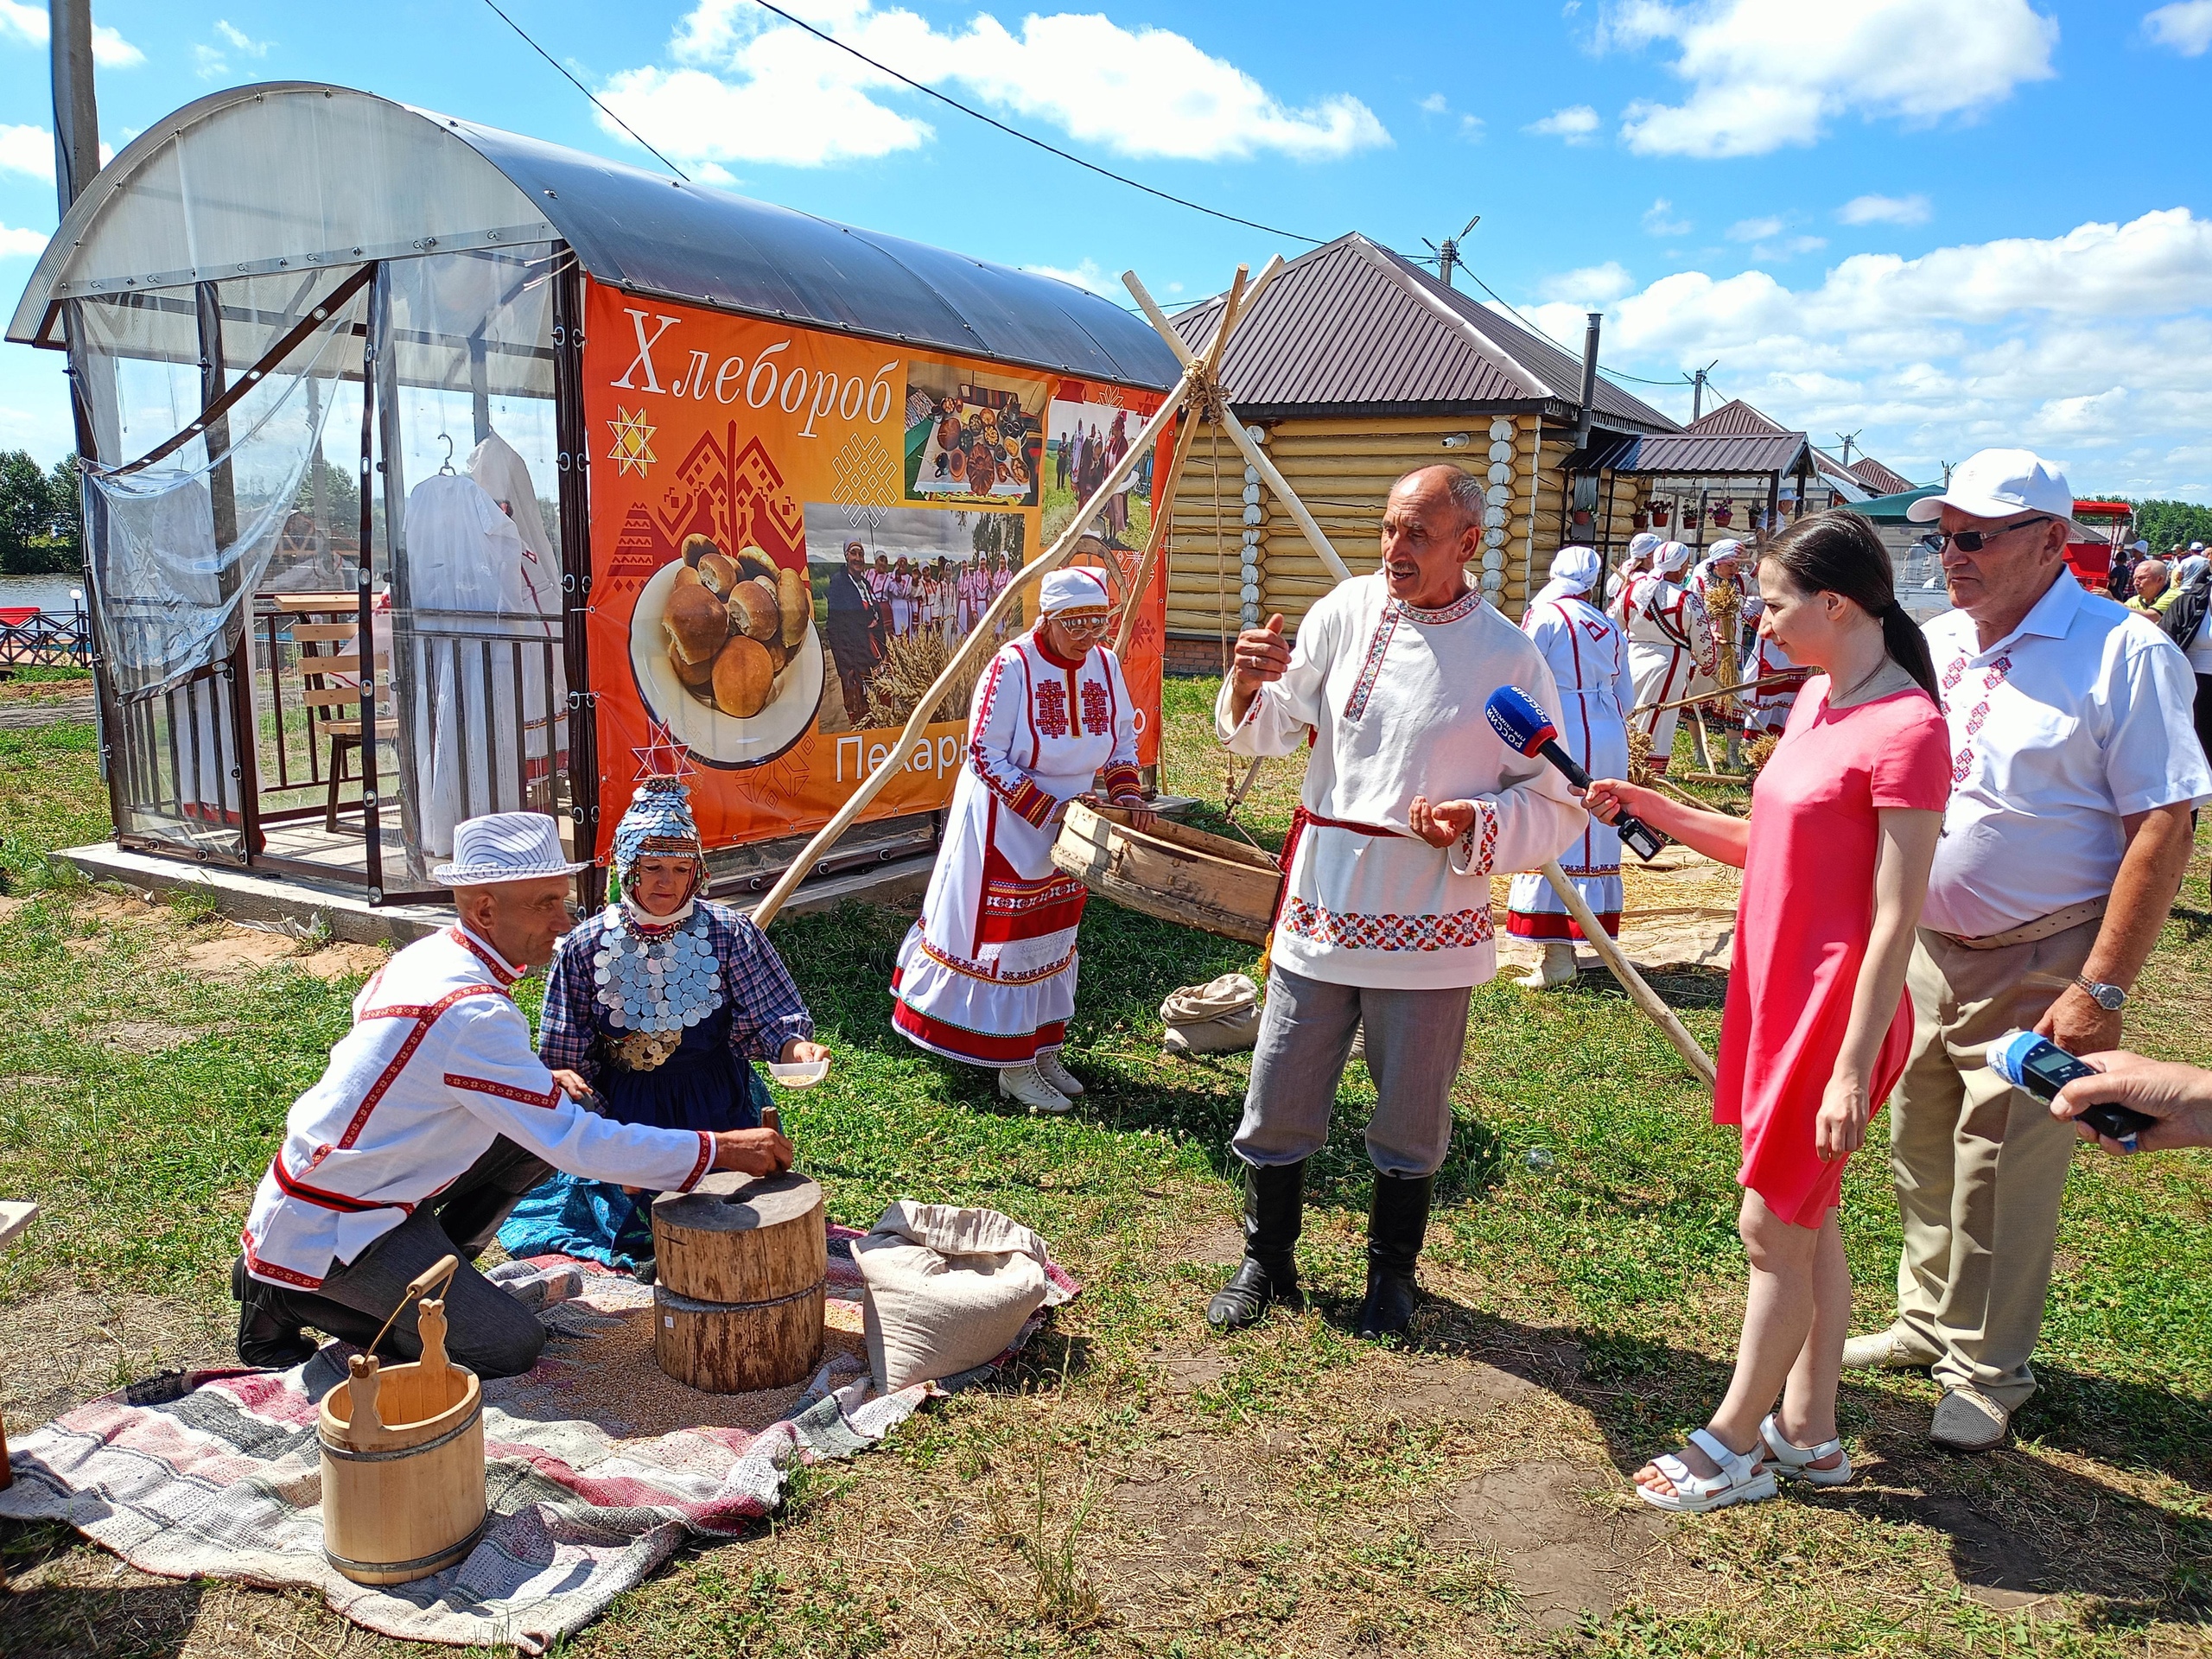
pixel 1641 547
pixel 1588 659
pixel 1670 641
pixel 987 974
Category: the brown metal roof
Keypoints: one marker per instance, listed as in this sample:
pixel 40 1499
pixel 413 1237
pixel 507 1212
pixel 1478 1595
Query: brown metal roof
pixel 1737 454
pixel 1352 329
pixel 1735 418
pixel 1878 478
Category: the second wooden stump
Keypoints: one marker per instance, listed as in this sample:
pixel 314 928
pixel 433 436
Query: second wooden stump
pixel 737 1304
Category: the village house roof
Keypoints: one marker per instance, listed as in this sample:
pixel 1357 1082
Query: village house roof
pixel 1352 329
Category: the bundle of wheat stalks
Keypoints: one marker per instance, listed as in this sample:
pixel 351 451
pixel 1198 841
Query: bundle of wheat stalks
pixel 910 663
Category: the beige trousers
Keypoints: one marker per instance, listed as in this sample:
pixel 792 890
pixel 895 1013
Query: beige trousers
pixel 1979 1165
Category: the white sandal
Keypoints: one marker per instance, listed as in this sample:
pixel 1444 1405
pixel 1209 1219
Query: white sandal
pixel 1741 1480
pixel 1796 1461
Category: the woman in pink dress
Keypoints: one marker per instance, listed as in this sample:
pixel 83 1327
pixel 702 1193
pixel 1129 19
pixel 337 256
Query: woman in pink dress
pixel 1835 857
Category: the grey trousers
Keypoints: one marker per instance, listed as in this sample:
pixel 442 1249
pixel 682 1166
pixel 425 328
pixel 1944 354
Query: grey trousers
pixel 1415 1039
pixel 487 1330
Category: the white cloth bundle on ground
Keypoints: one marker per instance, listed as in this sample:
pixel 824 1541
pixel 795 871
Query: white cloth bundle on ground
pixel 948 1289
pixel 1219 1017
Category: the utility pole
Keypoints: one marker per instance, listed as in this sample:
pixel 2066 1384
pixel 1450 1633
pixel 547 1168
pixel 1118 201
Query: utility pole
pixel 1697 390
pixel 1947 475
pixel 1846 439
pixel 76 116
pixel 1448 252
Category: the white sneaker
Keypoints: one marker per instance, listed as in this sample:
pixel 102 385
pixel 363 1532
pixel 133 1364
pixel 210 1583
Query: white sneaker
pixel 1050 1069
pixel 1023 1084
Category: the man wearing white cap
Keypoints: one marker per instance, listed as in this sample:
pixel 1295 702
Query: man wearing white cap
pixel 2073 775
pixel 433 1118
pixel 987 974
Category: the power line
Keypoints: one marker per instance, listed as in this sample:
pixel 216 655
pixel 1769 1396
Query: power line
pixel 1014 132
pixel 1610 373
pixel 585 90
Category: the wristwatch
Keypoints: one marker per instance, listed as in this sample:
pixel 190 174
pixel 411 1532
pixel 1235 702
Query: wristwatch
pixel 2107 997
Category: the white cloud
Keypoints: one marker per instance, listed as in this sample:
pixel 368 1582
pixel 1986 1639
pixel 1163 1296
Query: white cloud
pixel 1434 104
pixel 207 63
pixel 1659 220
pixel 1884 210
pixel 2186 27
pixel 1591 286
pixel 21 244
pixel 750 88
pixel 1575 124
pixel 1754 230
pixel 1757 82
pixel 714 173
pixel 2087 344
pixel 26 150
pixel 243 42
pixel 1471 128
pixel 1085 274
pixel 29 24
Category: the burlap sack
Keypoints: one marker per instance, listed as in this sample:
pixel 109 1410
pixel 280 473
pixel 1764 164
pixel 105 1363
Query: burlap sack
pixel 1219 1017
pixel 948 1289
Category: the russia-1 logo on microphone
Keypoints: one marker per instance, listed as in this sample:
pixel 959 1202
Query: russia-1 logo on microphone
pixel 1516 717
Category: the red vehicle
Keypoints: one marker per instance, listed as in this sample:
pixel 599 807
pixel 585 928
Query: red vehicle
pixel 2091 561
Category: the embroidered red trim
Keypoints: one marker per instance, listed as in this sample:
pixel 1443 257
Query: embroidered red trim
pixel 503 972
pixel 293 1187
pixel 424 1020
pixel 549 1099
pixel 706 1162
pixel 261 1270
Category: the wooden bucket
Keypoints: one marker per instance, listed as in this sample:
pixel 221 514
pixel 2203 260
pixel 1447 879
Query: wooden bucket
pixel 737 1300
pixel 1177 874
pixel 403 1464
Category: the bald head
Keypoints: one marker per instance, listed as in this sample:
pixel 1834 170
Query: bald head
pixel 1452 484
pixel 1432 528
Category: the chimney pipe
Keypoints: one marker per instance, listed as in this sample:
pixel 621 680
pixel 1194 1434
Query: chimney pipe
pixel 76 116
pixel 1589 377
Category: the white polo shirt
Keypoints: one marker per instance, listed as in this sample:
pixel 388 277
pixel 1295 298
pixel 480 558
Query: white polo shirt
pixel 2074 720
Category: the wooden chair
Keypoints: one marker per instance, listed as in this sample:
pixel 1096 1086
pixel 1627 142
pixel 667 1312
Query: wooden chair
pixel 330 673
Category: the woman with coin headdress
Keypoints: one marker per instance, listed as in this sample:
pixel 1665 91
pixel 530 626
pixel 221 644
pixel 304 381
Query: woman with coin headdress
pixel 657 1006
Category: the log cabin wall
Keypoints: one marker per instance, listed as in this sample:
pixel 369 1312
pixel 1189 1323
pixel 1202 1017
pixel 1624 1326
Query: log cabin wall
pixel 1343 469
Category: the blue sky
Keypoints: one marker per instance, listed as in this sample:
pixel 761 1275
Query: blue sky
pixel 1941 224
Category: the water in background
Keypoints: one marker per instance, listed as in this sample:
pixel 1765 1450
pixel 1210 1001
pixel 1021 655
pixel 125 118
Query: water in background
pixel 47 593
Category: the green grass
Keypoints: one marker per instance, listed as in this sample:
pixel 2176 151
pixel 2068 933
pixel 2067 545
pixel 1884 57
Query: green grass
pixel 1305 1473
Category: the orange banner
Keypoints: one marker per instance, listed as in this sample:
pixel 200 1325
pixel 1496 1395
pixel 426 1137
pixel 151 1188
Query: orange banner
pixel 793 531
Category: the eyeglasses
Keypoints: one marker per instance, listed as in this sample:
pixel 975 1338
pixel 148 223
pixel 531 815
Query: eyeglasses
pixel 1077 622
pixel 1973 540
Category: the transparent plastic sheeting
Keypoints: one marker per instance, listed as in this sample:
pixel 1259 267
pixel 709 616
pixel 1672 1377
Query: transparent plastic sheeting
pixel 179 548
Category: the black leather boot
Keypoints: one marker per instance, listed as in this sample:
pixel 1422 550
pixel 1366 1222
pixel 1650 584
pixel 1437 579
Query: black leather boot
pixel 269 1336
pixel 1397 1222
pixel 1275 1206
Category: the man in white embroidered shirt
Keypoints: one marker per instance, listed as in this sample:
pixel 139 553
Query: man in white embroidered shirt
pixel 2075 774
pixel 434 1116
pixel 1410 801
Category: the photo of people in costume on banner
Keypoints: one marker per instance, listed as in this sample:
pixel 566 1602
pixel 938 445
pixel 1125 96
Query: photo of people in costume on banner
pixel 767 569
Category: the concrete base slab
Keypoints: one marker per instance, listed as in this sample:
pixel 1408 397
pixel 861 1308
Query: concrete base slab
pixel 290 904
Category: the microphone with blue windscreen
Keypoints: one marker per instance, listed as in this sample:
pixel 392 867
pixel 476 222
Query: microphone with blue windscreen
pixel 1521 721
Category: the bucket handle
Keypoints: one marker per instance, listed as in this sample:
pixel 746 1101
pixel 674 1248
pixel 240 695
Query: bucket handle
pixel 439 1273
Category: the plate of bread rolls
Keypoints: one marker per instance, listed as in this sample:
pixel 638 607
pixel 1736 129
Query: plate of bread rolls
pixel 725 652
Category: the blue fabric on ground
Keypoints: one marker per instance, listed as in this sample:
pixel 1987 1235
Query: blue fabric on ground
pixel 569 1215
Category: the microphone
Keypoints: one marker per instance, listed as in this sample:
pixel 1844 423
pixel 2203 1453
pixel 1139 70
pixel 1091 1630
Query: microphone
pixel 1521 723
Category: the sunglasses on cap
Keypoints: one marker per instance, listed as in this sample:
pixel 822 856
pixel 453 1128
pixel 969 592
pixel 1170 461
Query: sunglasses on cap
pixel 1973 540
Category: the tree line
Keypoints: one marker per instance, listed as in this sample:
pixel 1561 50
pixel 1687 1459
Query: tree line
pixel 2169 525
pixel 41 526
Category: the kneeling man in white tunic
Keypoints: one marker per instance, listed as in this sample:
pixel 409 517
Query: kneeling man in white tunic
pixel 1410 801
pixel 434 1117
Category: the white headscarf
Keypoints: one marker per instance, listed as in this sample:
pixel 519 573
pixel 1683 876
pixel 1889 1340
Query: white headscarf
pixel 1640 545
pixel 1075 589
pixel 1668 558
pixel 1574 572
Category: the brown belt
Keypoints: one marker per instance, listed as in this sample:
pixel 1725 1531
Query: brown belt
pixel 2028 932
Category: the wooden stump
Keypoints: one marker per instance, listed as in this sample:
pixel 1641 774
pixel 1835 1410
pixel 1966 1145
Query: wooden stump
pixel 738 1302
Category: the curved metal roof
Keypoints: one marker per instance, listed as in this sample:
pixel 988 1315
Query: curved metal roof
pixel 297 174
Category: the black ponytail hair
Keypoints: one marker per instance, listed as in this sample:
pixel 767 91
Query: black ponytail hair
pixel 1839 552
